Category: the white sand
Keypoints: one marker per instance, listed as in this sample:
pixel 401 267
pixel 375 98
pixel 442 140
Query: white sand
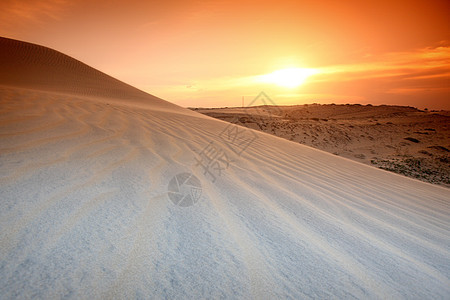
pixel 85 163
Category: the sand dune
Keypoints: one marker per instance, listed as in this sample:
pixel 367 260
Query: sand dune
pixel 85 169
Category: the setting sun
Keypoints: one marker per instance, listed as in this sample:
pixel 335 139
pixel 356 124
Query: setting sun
pixel 290 77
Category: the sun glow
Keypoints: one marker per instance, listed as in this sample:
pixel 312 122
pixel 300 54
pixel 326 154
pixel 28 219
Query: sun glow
pixel 290 77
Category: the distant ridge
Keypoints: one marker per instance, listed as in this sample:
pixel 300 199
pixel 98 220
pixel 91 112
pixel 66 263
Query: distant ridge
pixel 24 64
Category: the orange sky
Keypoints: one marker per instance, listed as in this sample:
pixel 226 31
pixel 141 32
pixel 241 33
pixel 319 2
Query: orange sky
pixel 210 53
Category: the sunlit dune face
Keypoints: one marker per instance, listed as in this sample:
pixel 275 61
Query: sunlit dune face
pixel 290 77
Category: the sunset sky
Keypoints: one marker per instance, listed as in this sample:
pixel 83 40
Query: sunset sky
pixel 211 53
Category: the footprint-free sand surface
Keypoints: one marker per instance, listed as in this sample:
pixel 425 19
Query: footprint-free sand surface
pixel 401 139
pixel 89 210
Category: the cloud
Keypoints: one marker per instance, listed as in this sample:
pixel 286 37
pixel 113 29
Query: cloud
pixel 18 14
pixel 420 64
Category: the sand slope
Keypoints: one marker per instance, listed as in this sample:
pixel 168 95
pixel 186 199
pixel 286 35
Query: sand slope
pixel 401 139
pixel 85 210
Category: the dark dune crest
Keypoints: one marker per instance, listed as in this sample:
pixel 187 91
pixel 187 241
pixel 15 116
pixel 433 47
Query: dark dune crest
pixel 37 67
